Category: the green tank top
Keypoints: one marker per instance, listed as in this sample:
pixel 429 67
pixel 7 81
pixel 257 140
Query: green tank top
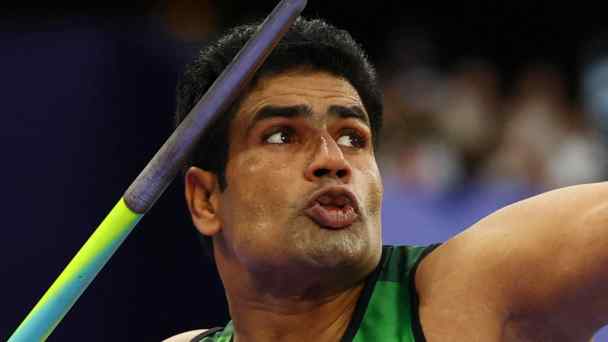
pixel 387 309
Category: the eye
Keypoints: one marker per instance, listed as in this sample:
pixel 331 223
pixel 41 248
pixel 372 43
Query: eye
pixel 352 139
pixel 283 135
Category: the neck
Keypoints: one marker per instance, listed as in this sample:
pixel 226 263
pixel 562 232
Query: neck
pixel 288 301
pixel 268 318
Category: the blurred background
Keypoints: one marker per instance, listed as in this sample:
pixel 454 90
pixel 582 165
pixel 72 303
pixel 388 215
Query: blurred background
pixel 486 104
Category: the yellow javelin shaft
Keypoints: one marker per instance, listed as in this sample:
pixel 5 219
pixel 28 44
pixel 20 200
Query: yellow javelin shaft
pixel 78 274
pixel 155 177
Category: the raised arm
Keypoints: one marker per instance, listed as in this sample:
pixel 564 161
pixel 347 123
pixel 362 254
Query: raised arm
pixel 543 262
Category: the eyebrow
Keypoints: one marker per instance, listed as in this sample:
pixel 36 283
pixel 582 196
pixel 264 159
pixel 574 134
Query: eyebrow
pixel 268 112
pixel 355 112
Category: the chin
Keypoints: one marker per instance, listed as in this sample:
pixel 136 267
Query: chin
pixel 346 249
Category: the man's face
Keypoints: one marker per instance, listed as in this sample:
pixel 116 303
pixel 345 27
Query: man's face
pixel 304 191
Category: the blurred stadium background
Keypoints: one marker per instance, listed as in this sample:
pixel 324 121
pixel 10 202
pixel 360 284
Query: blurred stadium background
pixel 486 104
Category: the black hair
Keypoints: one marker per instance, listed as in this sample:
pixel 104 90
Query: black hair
pixel 309 44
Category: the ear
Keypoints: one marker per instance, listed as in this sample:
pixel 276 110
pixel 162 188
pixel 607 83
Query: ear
pixel 202 196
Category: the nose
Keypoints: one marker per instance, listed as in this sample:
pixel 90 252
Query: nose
pixel 328 161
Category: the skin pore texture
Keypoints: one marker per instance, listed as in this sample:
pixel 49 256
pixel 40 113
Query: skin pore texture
pixel 281 269
pixel 532 271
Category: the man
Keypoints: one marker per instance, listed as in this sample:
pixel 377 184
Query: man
pixel 286 191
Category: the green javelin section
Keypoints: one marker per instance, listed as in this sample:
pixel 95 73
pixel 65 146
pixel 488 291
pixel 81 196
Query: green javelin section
pixel 77 275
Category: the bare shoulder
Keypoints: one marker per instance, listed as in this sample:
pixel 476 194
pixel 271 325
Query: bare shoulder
pixel 185 336
pixel 521 258
pixel 529 235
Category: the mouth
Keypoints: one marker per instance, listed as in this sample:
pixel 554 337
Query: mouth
pixel 333 208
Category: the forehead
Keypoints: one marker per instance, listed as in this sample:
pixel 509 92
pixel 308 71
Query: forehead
pixel 316 89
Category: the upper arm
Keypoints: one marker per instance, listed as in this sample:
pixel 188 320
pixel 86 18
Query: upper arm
pixel 542 258
pixel 185 336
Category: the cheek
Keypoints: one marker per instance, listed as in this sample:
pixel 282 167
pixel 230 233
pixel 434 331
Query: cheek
pixel 371 181
pixel 258 191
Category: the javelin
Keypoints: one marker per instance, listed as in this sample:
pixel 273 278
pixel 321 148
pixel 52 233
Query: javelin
pixel 154 179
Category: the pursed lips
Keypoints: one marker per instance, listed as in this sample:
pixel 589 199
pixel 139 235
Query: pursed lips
pixel 333 207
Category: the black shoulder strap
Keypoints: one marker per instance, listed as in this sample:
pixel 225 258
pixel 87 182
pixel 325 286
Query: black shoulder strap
pixel 206 333
pixel 414 300
pixel 363 301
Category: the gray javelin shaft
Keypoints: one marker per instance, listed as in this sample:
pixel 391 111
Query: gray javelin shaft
pixel 165 165
pixel 155 177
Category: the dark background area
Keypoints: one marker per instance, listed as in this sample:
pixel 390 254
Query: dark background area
pixel 88 92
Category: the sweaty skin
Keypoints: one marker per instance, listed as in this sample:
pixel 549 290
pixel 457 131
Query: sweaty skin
pixel 532 271
pixel 282 271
